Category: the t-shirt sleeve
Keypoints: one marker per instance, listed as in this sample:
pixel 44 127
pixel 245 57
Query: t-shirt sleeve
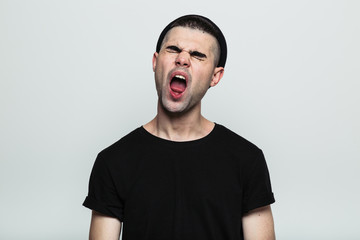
pixel 103 196
pixel 257 186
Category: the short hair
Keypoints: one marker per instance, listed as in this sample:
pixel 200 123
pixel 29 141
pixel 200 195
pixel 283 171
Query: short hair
pixel 200 23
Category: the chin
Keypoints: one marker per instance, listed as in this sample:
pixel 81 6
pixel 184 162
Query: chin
pixel 173 107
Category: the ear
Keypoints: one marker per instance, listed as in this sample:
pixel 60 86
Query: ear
pixel 154 60
pixel 218 74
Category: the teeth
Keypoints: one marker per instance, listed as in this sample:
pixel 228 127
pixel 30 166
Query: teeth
pixel 180 76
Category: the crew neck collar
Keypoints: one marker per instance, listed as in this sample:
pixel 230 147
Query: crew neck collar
pixel 163 140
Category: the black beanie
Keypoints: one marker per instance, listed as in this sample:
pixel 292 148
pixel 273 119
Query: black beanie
pixel 211 29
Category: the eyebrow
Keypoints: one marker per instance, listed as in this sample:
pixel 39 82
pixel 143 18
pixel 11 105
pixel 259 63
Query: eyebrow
pixel 192 53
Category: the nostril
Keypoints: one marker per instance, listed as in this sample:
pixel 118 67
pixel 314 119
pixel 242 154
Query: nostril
pixel 181 62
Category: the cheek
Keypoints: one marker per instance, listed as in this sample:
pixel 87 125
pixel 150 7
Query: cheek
pixel 205 79
pixel 160 78
pixel 161 67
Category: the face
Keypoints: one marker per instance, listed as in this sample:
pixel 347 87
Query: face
pixel 185 68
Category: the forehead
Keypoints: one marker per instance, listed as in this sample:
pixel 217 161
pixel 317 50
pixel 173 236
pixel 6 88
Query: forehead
pixel 190 39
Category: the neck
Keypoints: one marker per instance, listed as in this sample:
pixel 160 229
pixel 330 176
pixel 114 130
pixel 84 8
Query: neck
pixel 187 126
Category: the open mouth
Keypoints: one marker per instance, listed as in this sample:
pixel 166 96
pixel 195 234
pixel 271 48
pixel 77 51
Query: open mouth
pixel 178 84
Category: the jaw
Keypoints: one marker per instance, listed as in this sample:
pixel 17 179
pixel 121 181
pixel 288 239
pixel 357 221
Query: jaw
pixel 178 110
pixel 182 106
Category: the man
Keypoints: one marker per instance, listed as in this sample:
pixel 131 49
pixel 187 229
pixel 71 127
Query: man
pixel 181 176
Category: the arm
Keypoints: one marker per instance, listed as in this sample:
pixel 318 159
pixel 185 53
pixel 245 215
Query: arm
pixel 258 224
pixel 104 227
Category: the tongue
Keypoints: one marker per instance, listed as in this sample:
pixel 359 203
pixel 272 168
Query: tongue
pixel 178 85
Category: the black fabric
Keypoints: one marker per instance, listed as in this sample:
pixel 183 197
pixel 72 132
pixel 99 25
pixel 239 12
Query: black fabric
pixel 164 190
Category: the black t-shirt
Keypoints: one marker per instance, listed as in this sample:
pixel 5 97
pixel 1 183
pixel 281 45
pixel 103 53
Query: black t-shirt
pixel 165 190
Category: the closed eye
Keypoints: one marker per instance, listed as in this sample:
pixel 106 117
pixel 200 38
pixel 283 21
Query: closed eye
pixel 173 49
pixel 195 54
pixel 198 55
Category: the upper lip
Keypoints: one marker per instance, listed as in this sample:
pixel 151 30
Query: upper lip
pixel 179 73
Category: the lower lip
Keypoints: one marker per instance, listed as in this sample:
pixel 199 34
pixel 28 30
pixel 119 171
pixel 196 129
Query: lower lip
pixel 176 95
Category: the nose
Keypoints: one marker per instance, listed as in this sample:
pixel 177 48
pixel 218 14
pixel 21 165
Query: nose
pixel 182 59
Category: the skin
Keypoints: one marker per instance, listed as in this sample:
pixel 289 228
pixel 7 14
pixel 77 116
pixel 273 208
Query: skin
pixel 188 51
pixel 193 53
pixel 258 224
pixel 103 227
pixel 180 119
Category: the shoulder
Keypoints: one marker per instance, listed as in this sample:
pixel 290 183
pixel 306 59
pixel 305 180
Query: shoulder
pixel 128 144
pixel 234 141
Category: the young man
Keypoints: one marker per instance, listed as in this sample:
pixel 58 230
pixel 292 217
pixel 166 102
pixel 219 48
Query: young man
pixel 181 176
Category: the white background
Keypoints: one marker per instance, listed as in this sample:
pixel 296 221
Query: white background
pixel 75 76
